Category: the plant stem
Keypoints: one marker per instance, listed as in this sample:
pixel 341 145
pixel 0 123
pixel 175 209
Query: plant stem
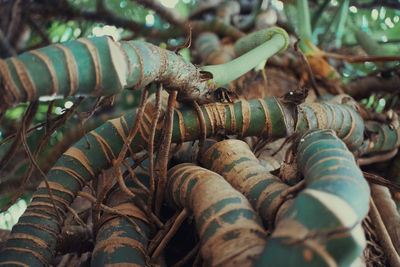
pixel 304 24
pixel 225 73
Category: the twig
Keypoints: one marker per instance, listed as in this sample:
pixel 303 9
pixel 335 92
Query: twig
pixel 377 158
pixel 137 163
pixel 361 59
pixel 197 261
pixel 179 220
pixel 383 236
pixel 135 126
pixel 33 158
pixel 138 202
pixel 392 4
pixel 388 210
pixel 26 121
pixel 8 138
pixel 376 179
pixel 362 87
pixel 95 107
pixel 65 260
pixel 75 215
pixel 293 189
pixel 121 156
pixel 112 211
pixel 161 233
pixel 188 256
pixel 38 29
pixel 134 178
pixel 34 163
pixel 308 69
pixel 107 185
pixel 390 41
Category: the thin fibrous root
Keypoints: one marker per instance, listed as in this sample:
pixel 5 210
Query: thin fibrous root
pixel 150 147
pixel 162 156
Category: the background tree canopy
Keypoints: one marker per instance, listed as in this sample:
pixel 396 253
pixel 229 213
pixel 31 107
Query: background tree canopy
pixel 295 103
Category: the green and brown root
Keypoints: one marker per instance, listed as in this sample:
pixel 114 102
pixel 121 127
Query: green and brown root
pixel 323 225
pixel 224 217
pixel 268 118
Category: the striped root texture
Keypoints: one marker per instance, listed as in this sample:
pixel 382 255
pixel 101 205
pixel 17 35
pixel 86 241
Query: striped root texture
pixel 33 239
pixel 223 216
pixel 101 66
pixel 361 138
pixel 323 226
pixel 381 137
pixel 84 66
pixel 98 66
pixel 234 160
pixel 344 120
pixel 75 167
pixel 268 118
pixel 119 241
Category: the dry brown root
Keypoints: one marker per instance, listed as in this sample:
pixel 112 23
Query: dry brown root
pixel 383 236
pixel 373 254
pixel 162 156
pixel 388 212
pixel 167 237
pixel 150 147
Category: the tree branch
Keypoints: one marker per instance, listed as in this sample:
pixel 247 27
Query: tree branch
pixel 388 3
pixel 169 15
pixel 363 87
pixel 107 17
